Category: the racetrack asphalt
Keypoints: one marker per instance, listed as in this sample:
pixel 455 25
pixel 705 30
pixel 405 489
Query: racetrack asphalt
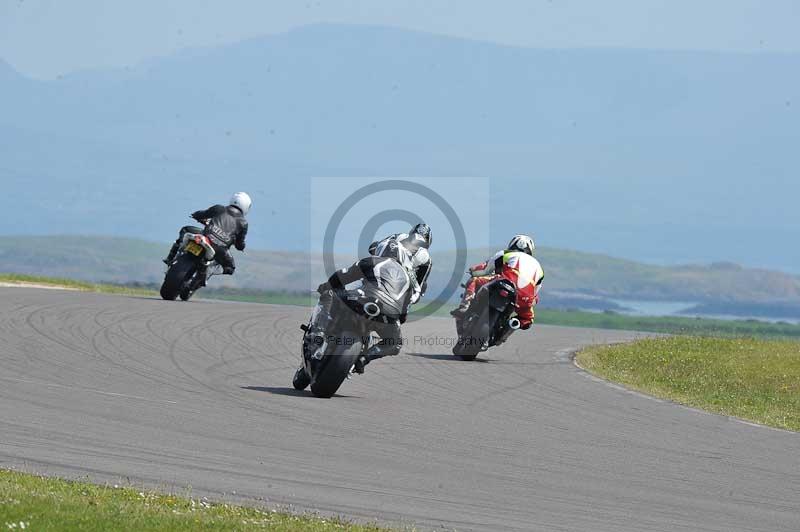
pixel 174 395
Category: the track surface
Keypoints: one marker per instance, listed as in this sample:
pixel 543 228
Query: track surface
pixel 199 394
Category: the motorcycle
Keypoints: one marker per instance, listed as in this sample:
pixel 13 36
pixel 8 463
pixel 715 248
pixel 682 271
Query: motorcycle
pixel 192 267
pixel 329 359
pixel 489 320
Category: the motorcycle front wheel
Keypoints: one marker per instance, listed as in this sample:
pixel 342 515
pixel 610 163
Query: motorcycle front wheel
pixel 301 379
pixel 335 366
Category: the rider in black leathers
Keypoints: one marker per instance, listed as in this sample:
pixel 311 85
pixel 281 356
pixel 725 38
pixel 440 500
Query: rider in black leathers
pixel 384 279
pixel 224 227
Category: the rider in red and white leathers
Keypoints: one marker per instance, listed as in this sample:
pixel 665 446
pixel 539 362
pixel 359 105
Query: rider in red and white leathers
pixel 515 263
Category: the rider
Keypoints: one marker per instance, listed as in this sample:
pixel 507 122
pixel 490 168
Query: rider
pixel 382 278
pixel 517 264
pixel 224 227
pixel 416 243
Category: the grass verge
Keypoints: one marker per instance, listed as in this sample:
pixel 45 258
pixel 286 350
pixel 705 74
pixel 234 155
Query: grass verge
pixel 757 380
pixel 29 502
pixel 22 279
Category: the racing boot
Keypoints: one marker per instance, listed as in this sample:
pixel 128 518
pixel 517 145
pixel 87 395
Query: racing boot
pixel 361 361
pixel 384 348
pixel 461 311
pixel 172 253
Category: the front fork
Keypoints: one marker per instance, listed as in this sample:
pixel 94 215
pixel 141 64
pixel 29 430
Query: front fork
pixel 314 339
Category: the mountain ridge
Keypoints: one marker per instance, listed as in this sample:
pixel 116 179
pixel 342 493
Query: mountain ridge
pixel 648 150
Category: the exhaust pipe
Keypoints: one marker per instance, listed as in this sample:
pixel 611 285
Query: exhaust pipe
pixel 514 323
pixel 372 309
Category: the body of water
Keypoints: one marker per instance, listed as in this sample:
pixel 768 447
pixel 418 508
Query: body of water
pixel 673 308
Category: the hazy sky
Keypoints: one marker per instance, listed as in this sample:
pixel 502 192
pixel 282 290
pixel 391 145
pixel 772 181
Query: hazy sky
pixel 45 38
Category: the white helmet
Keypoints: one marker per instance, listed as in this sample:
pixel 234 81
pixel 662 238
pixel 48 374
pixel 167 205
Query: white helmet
pixel 242 201
pixel 522 243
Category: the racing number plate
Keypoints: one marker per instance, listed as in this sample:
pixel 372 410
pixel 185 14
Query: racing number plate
pixel 194 248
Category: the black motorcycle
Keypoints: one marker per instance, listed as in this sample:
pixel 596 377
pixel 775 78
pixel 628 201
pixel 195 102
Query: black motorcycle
pixel 192 267
pixel 489 319
pixel 329 359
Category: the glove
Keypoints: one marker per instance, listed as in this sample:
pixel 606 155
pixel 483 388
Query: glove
pixel 324 287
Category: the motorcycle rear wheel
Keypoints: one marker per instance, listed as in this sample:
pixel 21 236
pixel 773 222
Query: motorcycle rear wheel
pixel 177 274
pixel 472 342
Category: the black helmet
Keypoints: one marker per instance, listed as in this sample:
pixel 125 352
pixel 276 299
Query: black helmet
pixel 422 234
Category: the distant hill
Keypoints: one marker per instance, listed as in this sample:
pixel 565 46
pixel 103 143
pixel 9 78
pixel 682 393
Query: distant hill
pixel 663 155
pixel 573 279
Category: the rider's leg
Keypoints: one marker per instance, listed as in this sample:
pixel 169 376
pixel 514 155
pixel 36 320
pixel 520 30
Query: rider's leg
pixel 526 300
pixel 473 285
pixel 225 259
pixel 390 344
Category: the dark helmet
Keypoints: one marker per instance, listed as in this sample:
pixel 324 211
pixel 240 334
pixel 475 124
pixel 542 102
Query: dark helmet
pixel 422 234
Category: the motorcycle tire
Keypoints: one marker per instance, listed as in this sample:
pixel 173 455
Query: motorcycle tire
pixel 301 380
pixel 472 342
pixel 177 274
pixel 335 367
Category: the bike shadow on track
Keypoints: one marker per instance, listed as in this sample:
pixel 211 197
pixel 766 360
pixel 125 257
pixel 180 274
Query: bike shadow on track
pixel 290 392
pixel 495 361
pixel 448 358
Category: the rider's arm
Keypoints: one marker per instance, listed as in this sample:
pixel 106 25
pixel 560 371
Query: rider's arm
pixel 526 313
pixel 240 236
pixel 423 270
pixel 376 247
pixel 207 213
pixel 537 288
pixel 345 276
pixel 422 277
pixel 486 268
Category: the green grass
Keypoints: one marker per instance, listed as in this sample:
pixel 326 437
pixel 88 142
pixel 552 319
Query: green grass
pixel 75 285
pixel 758 380
pixel 29 502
